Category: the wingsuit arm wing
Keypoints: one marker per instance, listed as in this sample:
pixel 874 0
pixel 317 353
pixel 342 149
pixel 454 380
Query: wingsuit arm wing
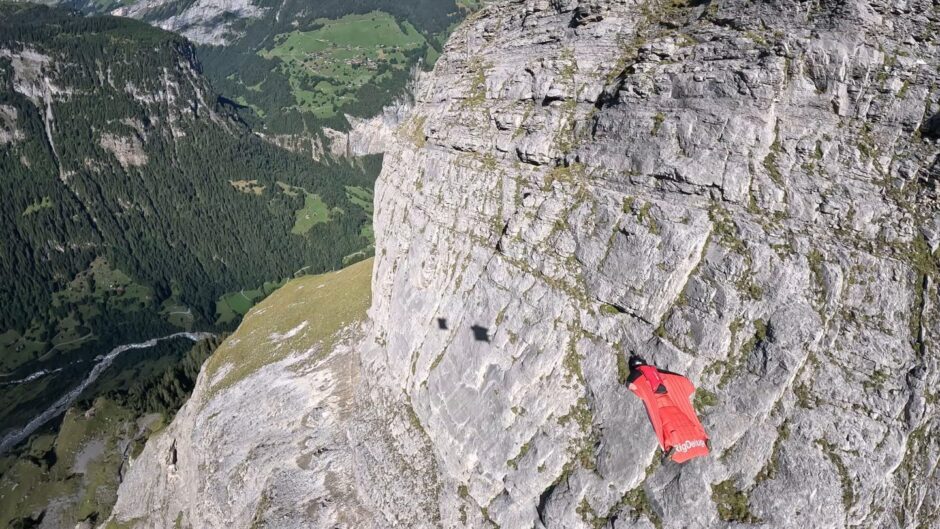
pixel 642 389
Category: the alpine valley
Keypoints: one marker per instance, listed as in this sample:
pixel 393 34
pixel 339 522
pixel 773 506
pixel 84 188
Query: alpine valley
pixel 447 227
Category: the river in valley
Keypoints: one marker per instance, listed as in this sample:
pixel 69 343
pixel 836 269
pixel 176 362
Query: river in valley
pixel 66 400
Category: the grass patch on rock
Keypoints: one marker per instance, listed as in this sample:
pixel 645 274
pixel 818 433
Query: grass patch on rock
pixel 306 312
pixel 848 491
pixel 732 503
pixel 704 399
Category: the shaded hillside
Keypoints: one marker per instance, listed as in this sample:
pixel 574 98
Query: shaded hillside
pixel 135 199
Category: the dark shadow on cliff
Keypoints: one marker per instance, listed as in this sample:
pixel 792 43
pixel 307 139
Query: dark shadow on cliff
pixel 931 127
pixel 480 334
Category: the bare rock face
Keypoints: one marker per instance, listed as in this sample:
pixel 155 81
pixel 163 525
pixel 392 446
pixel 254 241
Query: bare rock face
pixel 263 441
pixel 212 22
pixel 9 133
pixel 309 145
pixel 368 136
pixel 238 461
pixel 128 150
pixel 740 191
pixel 736 190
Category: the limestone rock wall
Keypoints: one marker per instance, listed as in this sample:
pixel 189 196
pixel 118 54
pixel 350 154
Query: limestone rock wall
pixel 212 22
pixel 368 136
pixel 740 191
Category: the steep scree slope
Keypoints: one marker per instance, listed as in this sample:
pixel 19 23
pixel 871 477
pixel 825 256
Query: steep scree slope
pixel 742 191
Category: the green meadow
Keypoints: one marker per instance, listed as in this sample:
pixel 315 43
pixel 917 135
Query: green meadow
pixel 234 305
pixel 314 212
pixel 328 65
pixel 305 312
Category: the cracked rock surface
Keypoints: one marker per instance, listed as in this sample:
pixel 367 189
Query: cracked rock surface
pixel 744 192
pixel 740 191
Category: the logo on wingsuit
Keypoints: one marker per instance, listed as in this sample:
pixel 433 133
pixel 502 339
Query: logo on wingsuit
pixel 688 445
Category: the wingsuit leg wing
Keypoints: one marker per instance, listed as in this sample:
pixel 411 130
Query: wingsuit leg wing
pixel 666 397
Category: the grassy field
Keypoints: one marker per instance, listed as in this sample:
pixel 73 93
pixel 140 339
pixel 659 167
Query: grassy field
pixel 304 312
pixel 247 186
pixel 328 65
pixel 71 334
pixel 289 190
pixel 234 305
pixel 361 197
pixel 103 284
pixel 314 212
pixel 245 103
pixel 17 349
pixel 177 314
pixel 45 203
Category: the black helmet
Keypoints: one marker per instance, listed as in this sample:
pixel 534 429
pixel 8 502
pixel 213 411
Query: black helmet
pixel 636 361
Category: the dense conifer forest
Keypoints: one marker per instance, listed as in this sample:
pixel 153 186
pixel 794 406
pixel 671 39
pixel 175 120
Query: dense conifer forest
pixel 135 197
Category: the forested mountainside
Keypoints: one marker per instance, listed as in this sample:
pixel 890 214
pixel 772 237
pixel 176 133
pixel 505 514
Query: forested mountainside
pixel 136 203
pixel 67 476
pixel 299 65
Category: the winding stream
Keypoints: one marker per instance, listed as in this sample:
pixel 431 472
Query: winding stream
pixel 38 374
pixel 66 400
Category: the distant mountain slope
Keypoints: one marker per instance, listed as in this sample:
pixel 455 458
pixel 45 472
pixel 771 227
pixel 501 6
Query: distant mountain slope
pixel 215 22
pixel 134 199
pixel 301 65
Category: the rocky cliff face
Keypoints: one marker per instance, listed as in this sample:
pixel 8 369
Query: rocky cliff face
pixel 741 191
pixel 204 21
pixel 368 136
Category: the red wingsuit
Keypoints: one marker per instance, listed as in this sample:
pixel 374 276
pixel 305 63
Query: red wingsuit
pixel 666 397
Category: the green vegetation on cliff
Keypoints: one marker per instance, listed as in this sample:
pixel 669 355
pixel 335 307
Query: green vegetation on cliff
pixel 306 312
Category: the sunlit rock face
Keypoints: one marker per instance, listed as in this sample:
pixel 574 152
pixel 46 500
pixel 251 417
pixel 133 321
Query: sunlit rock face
pixel 739 191
pixel 213 22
